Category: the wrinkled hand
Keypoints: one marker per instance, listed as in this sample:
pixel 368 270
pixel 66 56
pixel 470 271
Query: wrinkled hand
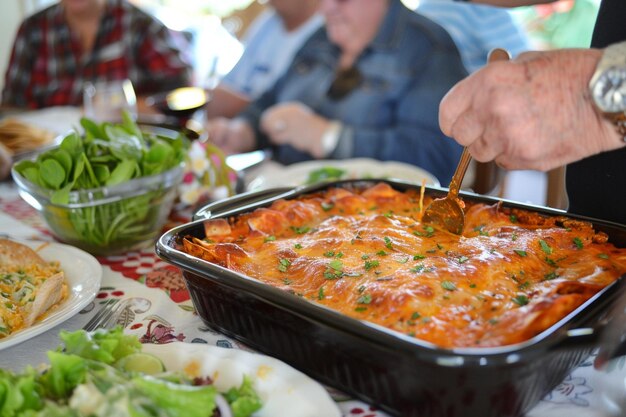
pixel 534 112
pixel 297 125
pixel 231 135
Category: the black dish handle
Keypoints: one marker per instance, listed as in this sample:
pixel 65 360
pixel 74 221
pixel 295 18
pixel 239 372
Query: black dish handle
pixel 239 201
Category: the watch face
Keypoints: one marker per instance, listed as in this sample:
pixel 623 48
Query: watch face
pixel 609 91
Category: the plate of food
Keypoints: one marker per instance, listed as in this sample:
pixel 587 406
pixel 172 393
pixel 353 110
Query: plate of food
pixel 283 390
pixel 310 172
pixel 42 284
pixel 108 372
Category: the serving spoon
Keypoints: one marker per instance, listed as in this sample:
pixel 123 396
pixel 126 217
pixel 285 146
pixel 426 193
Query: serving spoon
pixel 447 213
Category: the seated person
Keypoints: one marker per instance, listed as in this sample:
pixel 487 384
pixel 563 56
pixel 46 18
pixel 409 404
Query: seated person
pixel 367 85
pixel 477 29
pixel 61 48
pixel 270 45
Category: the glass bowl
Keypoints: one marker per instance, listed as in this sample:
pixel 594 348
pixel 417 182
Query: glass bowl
pixel 108 220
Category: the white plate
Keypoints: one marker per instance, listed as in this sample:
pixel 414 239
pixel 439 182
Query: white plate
pixel 83 274
pixel 298 174
pixel 284 391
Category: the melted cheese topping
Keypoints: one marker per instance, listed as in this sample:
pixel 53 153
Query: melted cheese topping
pixel 511 275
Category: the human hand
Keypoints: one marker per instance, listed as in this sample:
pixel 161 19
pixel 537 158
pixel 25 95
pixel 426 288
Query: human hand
pixel 297 125
pixel 231 135
pixel 534 112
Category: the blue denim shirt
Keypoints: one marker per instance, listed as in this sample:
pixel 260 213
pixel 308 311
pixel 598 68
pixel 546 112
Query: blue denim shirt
pixel 407 69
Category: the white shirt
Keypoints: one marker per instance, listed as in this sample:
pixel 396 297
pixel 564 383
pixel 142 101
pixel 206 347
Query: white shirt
pixel 269 50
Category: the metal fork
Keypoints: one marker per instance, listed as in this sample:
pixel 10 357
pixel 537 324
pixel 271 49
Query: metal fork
pixel 107 316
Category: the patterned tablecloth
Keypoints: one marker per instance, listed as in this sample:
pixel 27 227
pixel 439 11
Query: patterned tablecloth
pixel 161 311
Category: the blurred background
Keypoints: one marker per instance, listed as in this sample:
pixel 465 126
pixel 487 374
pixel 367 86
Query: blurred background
pixel 215 28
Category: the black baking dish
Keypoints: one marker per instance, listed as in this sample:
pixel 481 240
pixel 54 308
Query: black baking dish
pixel 398 373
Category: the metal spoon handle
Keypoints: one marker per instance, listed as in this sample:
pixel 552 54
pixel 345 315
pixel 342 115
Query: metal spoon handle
pixel 459 174
pixel 496 54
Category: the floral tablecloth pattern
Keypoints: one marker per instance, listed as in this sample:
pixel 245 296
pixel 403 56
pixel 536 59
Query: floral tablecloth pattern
pixel 159 310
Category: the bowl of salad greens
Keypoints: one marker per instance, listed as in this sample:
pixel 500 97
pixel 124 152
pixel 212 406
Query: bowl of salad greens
pixel 107 190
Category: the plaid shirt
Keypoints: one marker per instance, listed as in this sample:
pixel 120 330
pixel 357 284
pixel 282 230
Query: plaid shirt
pixel 48 68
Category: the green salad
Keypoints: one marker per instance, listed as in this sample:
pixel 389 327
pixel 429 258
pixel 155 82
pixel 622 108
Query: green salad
pixel 100 374
pixel 81 178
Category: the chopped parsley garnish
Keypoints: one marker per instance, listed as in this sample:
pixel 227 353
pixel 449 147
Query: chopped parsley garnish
pixel 371 264
pixel 521 300
pixel 463 259
pixel 551 262
pixel 360 309
pixel 448 285
pixel 545 247
pixel 300 230
pixel 327 206
pixel 297 246
pixel 364 299
pixel 514 237
pixel 428 231
pixel 287 281
pixel 550 276
pixel 283 264
pixel 524 285
pixel 269 238
pixel 603 256
pixel 415 316
pixel 336 264
pixel 418 257
pixel 520 252
pixel 578 243
pixel 381 253
pixel 334 270
pixel 513 218
pixel 387 242
pixel 329 254
pixel 320 294
pixel 403 260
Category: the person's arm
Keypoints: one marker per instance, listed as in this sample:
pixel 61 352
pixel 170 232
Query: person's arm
pixel 534 112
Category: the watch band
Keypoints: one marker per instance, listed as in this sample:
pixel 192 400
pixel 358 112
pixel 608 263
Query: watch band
pixel 613 59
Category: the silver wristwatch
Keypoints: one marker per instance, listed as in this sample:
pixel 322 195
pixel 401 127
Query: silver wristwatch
pixel 608 85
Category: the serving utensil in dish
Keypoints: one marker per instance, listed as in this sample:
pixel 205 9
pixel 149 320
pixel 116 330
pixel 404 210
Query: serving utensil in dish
pixel 401 374
pixel 447 212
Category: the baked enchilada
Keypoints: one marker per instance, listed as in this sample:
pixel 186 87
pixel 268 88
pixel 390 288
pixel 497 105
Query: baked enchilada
pixel 364 252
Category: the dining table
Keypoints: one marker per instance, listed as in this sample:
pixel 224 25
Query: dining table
pixel 158 310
